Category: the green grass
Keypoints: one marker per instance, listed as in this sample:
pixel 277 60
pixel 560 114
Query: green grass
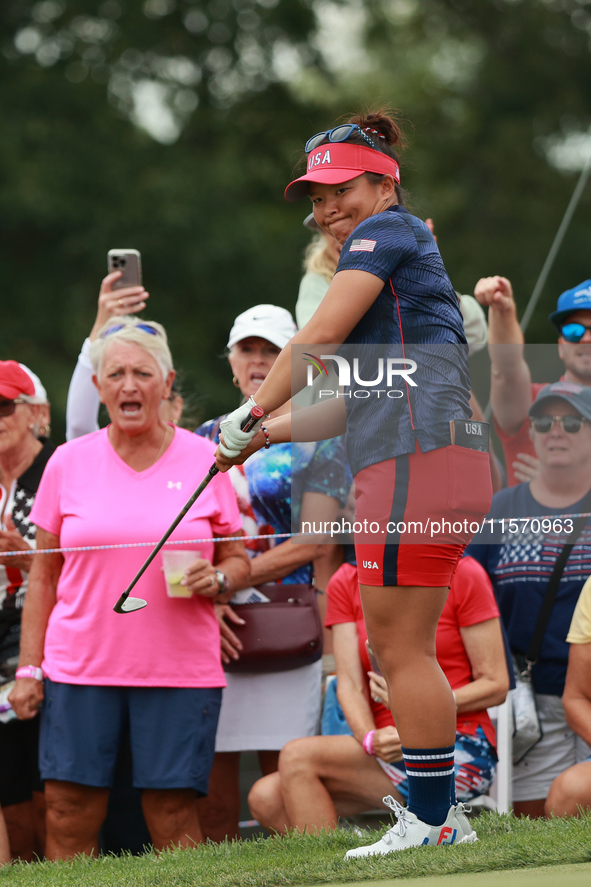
pixel 505 844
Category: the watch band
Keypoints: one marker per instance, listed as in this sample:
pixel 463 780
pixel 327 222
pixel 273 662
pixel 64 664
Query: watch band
pixel 30 671
pixel 222 581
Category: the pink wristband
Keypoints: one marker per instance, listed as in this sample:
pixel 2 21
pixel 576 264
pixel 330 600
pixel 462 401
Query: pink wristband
pixel 30 671
pixel 368 743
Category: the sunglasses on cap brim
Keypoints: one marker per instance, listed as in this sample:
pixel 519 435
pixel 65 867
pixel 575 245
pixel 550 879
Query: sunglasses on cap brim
pixel 340 134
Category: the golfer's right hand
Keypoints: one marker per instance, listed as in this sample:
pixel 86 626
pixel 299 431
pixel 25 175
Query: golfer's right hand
pixel 26 698
pixel 234 439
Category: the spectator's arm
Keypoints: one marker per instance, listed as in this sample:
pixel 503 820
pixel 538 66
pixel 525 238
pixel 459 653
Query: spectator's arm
pixel 283 559
pixel 483 643
pixel 510 391
pixel 577 691
pixel 352 691
pixel 353 694
pixel 83 401
pixel 495 468
pixel 39 602
pixel 231 559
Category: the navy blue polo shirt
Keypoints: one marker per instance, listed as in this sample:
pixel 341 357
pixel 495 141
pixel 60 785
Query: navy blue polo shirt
pixel 416 317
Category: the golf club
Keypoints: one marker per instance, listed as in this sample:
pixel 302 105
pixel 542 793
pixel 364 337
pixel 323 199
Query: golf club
pixel 127 604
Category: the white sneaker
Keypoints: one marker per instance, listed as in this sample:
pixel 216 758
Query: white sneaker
pixel 411 832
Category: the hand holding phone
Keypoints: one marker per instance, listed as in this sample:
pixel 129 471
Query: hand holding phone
pixel 115 300
pixel 129 263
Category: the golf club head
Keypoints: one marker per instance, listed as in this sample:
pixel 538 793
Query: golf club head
pixel 130 604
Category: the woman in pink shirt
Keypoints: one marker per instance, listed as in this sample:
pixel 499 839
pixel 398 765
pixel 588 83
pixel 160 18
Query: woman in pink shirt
pixel 159 670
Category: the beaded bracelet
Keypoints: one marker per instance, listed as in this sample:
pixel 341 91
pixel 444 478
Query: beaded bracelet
pixel 368 743
pixel 267 438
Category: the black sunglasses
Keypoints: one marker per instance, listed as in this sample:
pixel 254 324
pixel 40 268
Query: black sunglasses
pixel 574 332
pixel 339 134
pixel 7 407
pixel 570 424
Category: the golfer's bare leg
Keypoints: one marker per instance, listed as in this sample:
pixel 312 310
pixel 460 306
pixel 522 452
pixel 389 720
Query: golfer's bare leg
pixel 401 624
pixel 75 814
pixel 172 818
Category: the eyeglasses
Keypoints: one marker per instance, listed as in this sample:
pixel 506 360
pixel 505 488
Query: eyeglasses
pixel 569 424
pixel 7 407
pixel 339 134
pixel 146 328
pixel 574 332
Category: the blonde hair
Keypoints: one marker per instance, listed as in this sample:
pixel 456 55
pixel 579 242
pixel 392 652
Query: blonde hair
pixel 318 260
pixel 133 330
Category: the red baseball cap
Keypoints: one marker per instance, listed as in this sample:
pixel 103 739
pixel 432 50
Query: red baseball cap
pixel 14 381
pixel 336 162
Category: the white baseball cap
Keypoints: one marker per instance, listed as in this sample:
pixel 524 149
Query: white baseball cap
pixel 269 322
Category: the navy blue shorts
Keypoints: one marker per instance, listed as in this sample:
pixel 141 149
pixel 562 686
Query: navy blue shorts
pixel 172 732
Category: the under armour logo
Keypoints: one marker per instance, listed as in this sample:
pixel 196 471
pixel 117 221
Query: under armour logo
pixel 172 484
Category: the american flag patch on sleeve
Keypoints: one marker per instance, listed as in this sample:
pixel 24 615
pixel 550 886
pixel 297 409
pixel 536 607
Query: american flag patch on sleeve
pixel 362 246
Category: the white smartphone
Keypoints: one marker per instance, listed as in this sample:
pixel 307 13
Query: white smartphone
pixel 129 262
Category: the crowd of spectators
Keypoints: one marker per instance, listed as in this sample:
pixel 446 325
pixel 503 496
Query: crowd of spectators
pixel 86 683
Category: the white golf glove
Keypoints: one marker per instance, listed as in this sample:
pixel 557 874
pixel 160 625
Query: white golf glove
pixel 236 440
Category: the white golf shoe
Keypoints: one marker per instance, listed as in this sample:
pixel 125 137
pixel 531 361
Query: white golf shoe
pixel 411 832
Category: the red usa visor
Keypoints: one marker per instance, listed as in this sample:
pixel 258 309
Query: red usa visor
pixel 337 162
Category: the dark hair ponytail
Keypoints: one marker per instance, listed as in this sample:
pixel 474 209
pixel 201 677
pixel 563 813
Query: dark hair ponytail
pixel 386 133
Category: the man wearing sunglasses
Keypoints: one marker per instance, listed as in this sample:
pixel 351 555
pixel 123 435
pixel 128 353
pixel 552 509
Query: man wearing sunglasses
pixel 512 390
pixel 519 552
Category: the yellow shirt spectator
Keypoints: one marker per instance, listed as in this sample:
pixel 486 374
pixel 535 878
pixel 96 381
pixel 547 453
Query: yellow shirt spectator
pixel 580 627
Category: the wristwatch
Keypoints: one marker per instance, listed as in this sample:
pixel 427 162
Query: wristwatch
pixel 30 671
pixel 222 581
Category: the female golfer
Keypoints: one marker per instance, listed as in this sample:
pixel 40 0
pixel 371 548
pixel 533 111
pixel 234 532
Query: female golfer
pixel 413 454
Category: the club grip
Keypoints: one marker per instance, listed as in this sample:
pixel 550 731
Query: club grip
pixel 255 414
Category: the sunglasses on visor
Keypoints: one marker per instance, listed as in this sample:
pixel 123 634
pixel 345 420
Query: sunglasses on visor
pixel 574 332
pixel 7 407
pixel 338 134
pixel 570 424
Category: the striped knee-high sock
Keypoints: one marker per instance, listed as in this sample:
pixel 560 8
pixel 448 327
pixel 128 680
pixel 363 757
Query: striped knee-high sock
pixel 430 773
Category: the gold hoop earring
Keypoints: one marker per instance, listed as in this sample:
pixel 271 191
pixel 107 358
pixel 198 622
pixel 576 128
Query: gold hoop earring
pixel 235 382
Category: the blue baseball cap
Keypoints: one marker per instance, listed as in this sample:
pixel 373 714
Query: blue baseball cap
pixel 577 299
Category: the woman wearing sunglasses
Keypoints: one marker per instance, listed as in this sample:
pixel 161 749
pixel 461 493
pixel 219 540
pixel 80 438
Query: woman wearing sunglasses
pixel 410 453
pixel 521 564
pixel 24 452
pixel 98 672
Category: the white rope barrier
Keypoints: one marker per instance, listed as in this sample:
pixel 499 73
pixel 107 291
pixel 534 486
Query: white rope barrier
pixel 485 524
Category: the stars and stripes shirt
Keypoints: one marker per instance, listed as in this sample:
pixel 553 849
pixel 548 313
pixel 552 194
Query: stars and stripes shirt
pixel 18 502
pixel 520 565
